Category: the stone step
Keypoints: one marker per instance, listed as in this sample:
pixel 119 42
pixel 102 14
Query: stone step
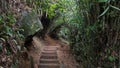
pixel 48 57
pixel 49 61
pixel 49 66
pixel 52 54
pixel 50 46
pixel 49 49
pixel 49 52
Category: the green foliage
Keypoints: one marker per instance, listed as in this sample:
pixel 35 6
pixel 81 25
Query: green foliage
pixel 111 58
pixel 1 46
pixel 115 7
pixel 103 0
pixel 52 9
pixel 89 26
pixel 9 38
pixel 104 11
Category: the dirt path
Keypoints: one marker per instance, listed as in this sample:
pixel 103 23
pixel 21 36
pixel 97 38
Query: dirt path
pixel 51 52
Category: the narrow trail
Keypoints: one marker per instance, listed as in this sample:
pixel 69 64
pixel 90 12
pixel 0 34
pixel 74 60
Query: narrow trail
pixel 49 58
pixel 50 53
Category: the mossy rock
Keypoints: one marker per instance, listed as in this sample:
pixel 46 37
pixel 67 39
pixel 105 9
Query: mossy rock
pixel 30 23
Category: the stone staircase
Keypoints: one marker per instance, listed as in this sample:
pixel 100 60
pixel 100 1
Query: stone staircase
pixel 49 58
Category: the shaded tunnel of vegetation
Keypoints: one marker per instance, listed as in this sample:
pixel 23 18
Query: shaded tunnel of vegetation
pixel 92 28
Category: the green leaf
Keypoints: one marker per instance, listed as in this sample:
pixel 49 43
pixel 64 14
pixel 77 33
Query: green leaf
pixel 1 46
pixel 15 41
pixel 103 0
pixel 115 7
pixel 1 19
pixel 105 11
pixel 111 58
pixel 2 39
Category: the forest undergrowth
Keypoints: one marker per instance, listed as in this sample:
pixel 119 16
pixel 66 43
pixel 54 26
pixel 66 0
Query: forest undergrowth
pixel 91 27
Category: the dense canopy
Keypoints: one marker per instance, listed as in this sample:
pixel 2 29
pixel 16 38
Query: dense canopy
pixel 92 28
